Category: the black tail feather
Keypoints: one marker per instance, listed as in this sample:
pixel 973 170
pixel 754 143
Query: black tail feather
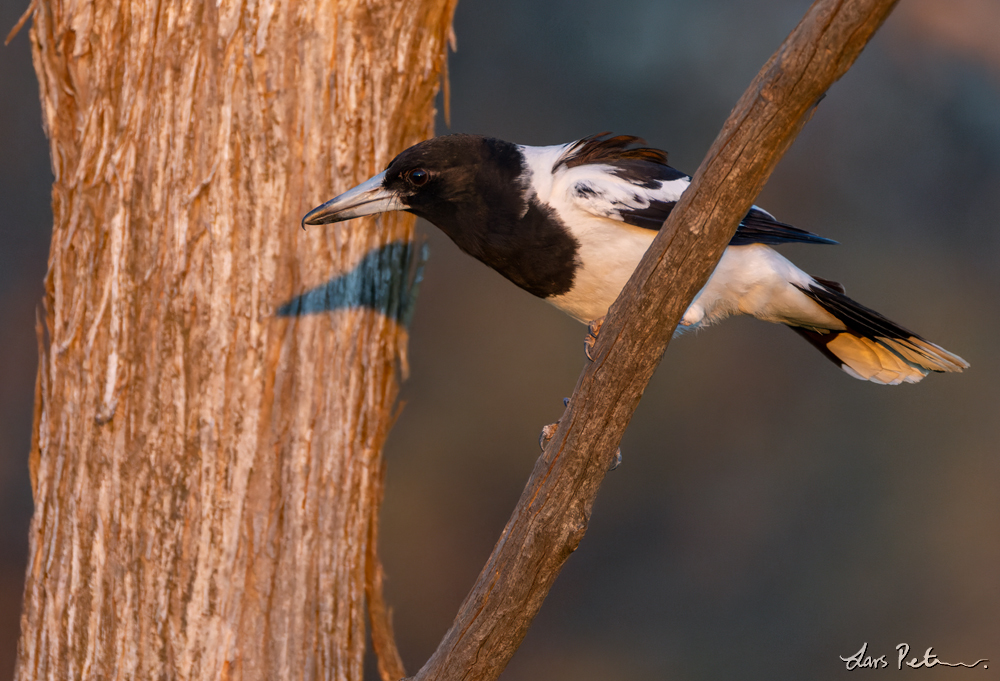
pixel 872 347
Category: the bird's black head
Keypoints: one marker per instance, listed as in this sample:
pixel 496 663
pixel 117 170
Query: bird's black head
pixel 447 180
pixel 476 190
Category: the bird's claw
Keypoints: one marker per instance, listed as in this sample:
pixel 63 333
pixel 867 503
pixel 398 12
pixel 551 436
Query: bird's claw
pixel 546 435
pixel 618 460
pixel 593 328
pixel 550 430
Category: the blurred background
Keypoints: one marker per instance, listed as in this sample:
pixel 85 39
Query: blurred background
pixel 771 514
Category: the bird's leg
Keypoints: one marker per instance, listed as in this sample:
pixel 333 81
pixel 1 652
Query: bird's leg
pixel 593 328
pixel 550 430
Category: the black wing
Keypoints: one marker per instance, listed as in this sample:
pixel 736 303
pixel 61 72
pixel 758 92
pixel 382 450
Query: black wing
pixel 758 227
pixel 637 186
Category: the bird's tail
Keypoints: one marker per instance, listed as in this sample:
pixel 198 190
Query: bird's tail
pixel 872 348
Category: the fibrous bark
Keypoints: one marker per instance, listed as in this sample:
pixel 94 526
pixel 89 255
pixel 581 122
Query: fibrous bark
pixel 215 384
pixel 552 514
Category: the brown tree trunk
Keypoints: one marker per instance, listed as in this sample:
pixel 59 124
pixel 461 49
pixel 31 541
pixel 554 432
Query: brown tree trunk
pixel 215 384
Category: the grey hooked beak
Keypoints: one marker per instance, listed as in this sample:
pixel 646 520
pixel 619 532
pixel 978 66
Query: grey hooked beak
pixel 367 198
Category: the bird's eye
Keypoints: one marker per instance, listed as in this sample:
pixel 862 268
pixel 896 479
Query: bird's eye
pixel 418 177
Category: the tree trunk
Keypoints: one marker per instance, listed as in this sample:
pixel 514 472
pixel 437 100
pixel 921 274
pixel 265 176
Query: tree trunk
pixel 215 384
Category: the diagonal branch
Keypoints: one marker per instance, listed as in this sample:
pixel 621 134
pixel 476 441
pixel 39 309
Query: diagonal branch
pixel 552 515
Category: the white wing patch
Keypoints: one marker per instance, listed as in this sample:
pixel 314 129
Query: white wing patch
pixel 597 190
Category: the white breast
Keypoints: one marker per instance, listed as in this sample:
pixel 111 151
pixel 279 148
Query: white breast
pixel 609 252
pixel 754 280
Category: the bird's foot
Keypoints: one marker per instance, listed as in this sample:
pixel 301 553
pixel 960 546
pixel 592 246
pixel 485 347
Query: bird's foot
pixel 618 460
pixel 546 435
pixel 593 329
pixel 550 430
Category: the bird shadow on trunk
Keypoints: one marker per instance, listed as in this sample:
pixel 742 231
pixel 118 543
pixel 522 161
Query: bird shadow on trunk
pixel 386 280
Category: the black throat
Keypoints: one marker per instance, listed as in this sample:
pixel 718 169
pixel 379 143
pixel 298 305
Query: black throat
pixel 490 212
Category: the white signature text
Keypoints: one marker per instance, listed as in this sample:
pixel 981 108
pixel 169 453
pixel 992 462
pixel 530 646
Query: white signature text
pixel 862 660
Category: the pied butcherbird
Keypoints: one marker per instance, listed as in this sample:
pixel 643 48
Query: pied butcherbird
pixel 569 224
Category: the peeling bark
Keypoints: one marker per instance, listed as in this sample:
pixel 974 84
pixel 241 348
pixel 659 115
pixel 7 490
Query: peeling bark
pixel 215 385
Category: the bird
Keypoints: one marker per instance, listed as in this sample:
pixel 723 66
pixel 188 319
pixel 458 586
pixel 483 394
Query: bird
pixel 570 222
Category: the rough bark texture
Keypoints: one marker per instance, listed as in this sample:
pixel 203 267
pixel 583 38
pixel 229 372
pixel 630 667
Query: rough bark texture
pixel 554 510
pixel 215 384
